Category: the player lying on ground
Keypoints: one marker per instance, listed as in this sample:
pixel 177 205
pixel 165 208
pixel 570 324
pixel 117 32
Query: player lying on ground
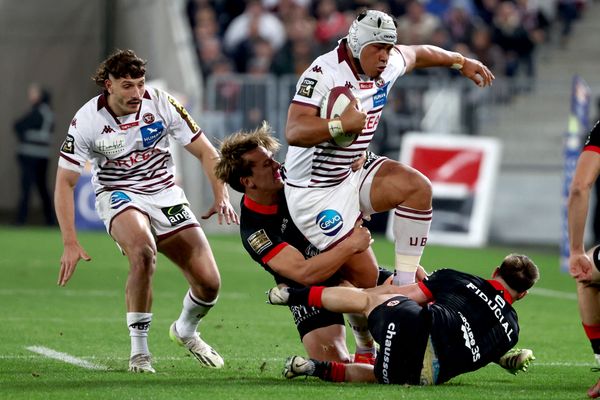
pixel 429 332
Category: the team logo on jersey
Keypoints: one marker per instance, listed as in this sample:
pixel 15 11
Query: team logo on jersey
pixel 330 222
pixel 259 241
pixel 151 133
pixel 380 98
pixel 110 146
pixel 68 145
pixel 184 114
pixel 148 118
pixel 176 214
pixel 379 82
pixel 307 87
pixel 117 199
pixel 107 129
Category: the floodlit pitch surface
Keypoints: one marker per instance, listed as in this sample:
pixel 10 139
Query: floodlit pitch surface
pixel 72 342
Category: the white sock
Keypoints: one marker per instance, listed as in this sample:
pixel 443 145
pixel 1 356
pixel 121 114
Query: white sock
pixel 139 325
pixel 191 314
pixel 362 336
pixel 410 228
pixel 597 358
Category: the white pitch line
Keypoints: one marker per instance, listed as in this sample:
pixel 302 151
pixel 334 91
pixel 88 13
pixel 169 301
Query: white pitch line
pixel 64 357
pixel 553 293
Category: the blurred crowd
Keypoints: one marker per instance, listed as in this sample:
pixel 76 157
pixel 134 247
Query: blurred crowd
pixel 284 36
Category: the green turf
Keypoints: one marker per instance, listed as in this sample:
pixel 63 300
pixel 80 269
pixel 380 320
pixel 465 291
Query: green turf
pixel 86 319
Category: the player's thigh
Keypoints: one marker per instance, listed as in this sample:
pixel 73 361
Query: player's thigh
pixel 361 269
pixel 594 254
pixel 190 251
pixel 327 343
pixel 396 183
pixel 131 230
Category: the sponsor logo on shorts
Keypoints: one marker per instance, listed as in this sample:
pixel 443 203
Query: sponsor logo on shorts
pixel 259 241
pixel 392 303
pixel 176 214
pixel 330 222
pixel 68 145
pixel 151 133
pixel 387 351
pixel 307 87
pixel 117 199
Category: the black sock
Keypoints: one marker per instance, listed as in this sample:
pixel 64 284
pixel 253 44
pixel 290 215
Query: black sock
pixel 298 296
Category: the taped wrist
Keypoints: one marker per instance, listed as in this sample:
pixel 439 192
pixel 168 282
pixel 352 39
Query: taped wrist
pixel 458 61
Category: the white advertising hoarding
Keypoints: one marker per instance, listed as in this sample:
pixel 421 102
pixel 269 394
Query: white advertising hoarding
pixel 463 171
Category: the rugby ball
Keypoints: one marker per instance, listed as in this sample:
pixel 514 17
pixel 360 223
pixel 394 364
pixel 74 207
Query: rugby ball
pixel 333 105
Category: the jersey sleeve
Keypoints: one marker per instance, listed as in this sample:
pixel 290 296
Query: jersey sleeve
pixel 314 84
pixel 259 241
pixel 444 279
pixel 181 125
pixel 398 61
pixel 75 149
pixel 592 142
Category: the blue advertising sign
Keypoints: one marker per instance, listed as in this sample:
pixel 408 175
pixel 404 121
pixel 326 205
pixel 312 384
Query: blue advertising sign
pixel 577 128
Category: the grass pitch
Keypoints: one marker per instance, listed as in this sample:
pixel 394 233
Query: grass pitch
pixel 86 321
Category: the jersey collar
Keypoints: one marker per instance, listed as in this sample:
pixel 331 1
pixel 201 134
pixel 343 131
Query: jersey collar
pixel 260 208
pixel 103 103
pixel 499 287
pixel 343 56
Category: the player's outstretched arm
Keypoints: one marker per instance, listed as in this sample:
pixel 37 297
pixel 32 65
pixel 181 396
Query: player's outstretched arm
pixel 65 213
pixel 203 150
pixel 425 56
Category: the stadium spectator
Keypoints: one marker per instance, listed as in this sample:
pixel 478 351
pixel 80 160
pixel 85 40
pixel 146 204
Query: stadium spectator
pixel 421 328
pixel 459 24
pixel 417 25
pixel 568 12
pixel 125 134
pixel 319 180
pixel 331 24
pixel 298 52
pixel 515 40
pixel 271 238
pixel 34 134
pixel 585 266
pixel 254 22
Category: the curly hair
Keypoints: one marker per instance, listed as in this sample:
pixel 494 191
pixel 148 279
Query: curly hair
pixel 120 64
pixel 232 166
pixel 519 272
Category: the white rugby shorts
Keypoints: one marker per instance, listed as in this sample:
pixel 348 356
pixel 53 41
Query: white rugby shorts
pixel 167 211
pixel 327 215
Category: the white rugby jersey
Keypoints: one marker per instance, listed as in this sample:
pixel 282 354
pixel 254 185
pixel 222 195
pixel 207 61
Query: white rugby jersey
pixel 326 164
pixel 131 152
